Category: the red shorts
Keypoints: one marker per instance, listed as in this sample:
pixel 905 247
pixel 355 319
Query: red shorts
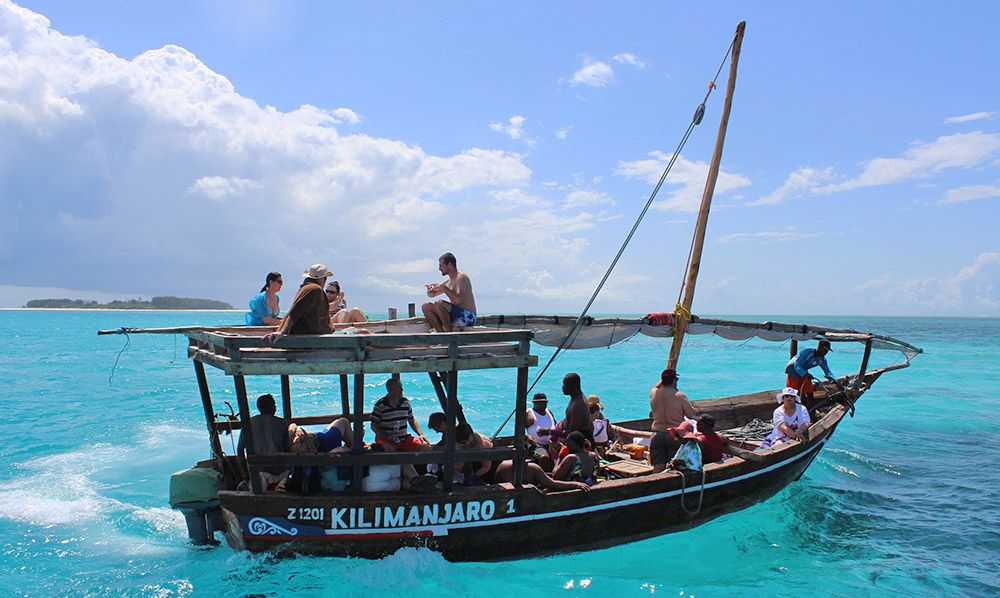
pixel 408 444
pixel 803 385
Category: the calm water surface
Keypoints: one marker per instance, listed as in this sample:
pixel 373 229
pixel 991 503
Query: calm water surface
pixel 902 500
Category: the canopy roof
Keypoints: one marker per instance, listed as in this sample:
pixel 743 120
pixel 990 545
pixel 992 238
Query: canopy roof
pixel 601 332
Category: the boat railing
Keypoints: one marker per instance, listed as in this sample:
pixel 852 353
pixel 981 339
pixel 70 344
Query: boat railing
pixel 497 453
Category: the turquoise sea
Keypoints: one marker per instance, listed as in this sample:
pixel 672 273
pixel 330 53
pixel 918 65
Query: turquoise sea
pixel 902 501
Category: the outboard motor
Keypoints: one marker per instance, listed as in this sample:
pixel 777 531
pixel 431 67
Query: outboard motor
pixel 194 492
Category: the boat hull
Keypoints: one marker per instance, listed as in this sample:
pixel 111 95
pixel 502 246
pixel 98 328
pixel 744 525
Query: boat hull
pixel 501 522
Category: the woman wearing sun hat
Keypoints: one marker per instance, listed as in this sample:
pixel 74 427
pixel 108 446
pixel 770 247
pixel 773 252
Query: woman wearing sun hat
pixel 791 419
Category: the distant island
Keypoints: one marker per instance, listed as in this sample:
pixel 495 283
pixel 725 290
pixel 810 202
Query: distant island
pixel 154 303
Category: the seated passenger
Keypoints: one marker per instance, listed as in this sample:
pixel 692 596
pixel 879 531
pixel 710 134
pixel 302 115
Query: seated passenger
pixel 334 438
pixel 533 474
pixel 308 313
pixel 339 312
pixel 476 472
pixel 264 305
pixel 688 456
pixel 791 420
pixel 664 445
pixel 390 417
pixel 437 422
pixel 578 464
pixel 270 435
pixel 494 472
pixel 713 444
pixel 540 418
pixel 600 424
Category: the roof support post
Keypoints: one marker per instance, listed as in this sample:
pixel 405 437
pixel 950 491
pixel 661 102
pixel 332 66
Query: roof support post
pixel 247 431
pixel 357 443
pixel 206 405
pixel 450 412
pixel 286 398
pixel 345 396
pixel 793 348
pixel 520 418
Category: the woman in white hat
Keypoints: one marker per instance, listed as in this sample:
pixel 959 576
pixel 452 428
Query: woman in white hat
pixel 791 419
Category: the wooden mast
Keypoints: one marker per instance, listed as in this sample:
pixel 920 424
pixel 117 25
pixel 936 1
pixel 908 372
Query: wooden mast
pixel 683 311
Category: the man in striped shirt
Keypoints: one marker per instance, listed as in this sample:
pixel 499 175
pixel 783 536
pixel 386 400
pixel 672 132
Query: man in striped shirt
pixel 390 417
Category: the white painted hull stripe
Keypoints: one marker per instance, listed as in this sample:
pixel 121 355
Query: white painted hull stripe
pixel 442 530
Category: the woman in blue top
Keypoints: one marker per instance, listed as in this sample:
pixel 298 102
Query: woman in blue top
pixel 264 305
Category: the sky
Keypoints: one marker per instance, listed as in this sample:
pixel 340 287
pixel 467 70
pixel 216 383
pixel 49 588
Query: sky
pixel 188 148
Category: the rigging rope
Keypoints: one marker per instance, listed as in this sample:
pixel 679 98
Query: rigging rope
pixel 699 113
pixel 128 341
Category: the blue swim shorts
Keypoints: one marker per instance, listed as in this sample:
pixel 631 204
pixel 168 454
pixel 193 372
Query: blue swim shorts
pixel 462 318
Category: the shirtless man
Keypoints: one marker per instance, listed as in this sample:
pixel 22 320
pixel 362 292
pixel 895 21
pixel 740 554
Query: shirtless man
pixel 459 311
pixel 669 407
pixel 577 412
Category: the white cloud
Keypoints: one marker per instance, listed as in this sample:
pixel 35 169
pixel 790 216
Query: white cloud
pixel 767 237
pixel 629 58
pixel 802 181
pixel 513 129
pixel 923 160
pixel 687 175
pixel 587 197
pixel 516 199
pixel 133 146
pixel 346 115
pixel 593 74
pixel 218 187
pixel 969 193
pixel 545 288
pixel 973 290
pixel 961 150
pixel 965 118
pixel 720 285
pixel 563 133
pixel 388 284
pixel 426 266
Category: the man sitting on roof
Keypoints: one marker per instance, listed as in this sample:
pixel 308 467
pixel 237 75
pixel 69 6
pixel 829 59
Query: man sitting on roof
pixel 390 416
pixel 309 313
pixel 459 311
pixel 798 368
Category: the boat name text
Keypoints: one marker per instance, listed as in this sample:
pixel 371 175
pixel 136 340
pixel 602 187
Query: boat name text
pixel 398 516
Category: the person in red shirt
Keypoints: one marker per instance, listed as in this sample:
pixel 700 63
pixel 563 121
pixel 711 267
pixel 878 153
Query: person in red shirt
pixel 713 444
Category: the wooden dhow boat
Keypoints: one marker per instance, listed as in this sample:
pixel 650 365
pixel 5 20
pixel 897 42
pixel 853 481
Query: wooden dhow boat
pixel 505 520
pixel 498 521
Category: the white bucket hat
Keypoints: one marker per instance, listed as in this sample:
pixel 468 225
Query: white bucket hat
pixel 317 271
pixel 788 391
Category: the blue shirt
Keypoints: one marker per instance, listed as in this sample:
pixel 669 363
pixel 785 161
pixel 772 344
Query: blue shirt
pixel 806 360
pixel 259 310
